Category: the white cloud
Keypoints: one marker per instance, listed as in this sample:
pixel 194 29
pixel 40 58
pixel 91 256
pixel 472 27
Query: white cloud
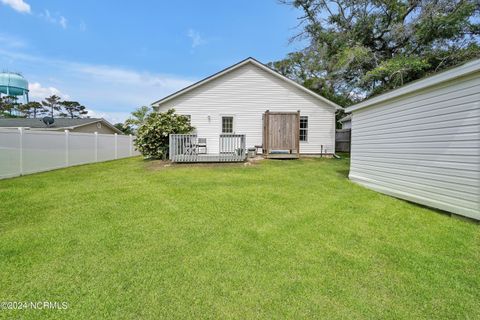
pixel 197 39
pixel 63 22
pixel 54 18
pixel 111 92
pixel 122 76
pixel 11 42
pixel 23 7
pixel 18 5
pixel 112 117
pixel 38 92
pixel 82 26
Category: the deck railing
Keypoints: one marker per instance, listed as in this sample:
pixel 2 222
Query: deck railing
pixel 185 148
pixel 232 147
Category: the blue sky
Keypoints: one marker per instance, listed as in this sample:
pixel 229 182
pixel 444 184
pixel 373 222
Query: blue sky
pixel 113 56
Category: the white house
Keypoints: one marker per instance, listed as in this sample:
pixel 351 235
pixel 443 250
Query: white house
pixel 235 99
pixel 421 142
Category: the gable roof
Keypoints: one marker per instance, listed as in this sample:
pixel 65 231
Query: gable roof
pixel 447 75
pixel 59 123
pixel 236 66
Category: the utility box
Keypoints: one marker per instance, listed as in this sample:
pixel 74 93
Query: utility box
pixel 252 152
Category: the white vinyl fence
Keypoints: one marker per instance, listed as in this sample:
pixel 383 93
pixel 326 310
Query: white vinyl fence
pixel 28 151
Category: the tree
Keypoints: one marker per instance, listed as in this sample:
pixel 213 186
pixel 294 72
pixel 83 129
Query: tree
pixel 138 117
pixel 3 107
pixel 153 134
pixel 360 48
pixel 23 110
pixel 52 103
pixel 33 109
pixel 73 109
pixel 126 129
pixel 10 106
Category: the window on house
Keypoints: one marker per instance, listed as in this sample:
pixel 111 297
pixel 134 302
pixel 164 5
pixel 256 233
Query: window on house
pixel 303 128
pixel 227 124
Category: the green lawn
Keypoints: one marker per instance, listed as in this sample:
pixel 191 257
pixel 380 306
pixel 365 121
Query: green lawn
pixel 281 239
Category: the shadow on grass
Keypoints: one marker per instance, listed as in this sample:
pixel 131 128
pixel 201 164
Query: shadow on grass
pixel 343 173
pixel 443 212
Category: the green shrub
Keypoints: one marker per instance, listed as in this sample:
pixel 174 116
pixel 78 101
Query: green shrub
pixel 152 135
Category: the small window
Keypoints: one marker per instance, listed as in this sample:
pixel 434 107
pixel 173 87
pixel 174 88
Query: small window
pixel 227 124
pixel 303 128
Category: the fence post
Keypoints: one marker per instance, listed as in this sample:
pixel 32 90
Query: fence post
pixel 20 149
pixel 131 145
pixel 116 145
pixel 350 140
pixel 96 146
pixel 66 148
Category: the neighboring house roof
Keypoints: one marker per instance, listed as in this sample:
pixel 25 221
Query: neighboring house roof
pixel 447 75
pixel 60 123
pixel 346 118
pixel 236 66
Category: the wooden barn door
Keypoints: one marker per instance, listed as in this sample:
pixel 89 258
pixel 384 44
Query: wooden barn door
pixel 281 132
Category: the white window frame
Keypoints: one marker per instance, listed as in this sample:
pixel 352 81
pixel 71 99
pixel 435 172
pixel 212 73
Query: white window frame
pixel 306 129
pixel 234 121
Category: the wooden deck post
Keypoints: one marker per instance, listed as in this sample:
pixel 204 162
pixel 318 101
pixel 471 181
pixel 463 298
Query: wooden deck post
pixel 266 134
pixel 297 142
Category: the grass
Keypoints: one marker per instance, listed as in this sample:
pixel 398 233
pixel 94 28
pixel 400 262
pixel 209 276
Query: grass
pixel 130 239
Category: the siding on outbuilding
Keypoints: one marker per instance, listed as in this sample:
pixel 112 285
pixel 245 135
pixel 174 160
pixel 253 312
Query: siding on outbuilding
pixel 424 145
pixel 246 93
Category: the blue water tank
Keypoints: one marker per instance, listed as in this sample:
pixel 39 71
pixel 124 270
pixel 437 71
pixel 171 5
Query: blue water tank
pixel 13 84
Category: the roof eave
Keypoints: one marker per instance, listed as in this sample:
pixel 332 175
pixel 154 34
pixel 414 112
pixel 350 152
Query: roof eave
pixel 108 124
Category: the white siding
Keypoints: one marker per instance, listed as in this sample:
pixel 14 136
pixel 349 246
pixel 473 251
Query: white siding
pixel 423 147
pixel 246 93
pixel 347 124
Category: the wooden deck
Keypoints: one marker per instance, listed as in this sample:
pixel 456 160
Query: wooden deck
pixel 207 158
pixel 185 148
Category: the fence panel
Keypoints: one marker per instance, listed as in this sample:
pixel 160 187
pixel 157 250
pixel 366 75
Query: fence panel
pixel 106 147
pixel 43 151
pixel 342 140
pixel 123 146
pixel 28 151
pixel 81 148
pixel 9 153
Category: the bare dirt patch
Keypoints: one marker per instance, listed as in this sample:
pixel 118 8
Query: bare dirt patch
pixel 163 164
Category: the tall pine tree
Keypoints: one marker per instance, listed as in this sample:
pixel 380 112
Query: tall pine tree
pixel 357 49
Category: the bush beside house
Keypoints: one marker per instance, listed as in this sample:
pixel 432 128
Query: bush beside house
pixel 152 135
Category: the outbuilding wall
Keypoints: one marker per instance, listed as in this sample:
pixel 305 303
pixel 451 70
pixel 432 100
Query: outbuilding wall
pixel 423 146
